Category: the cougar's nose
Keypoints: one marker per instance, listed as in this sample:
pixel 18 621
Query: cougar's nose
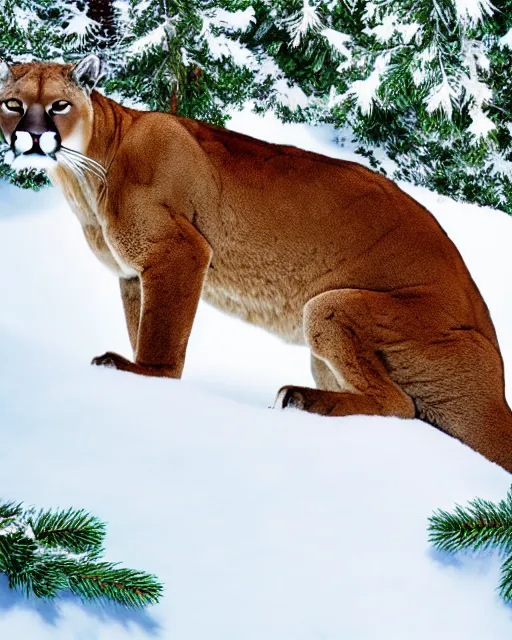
pixel 36 133
pixel 45 143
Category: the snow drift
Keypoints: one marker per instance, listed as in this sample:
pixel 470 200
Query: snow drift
pixel 263 525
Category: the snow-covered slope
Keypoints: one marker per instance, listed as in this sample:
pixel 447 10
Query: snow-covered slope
pixel 263 525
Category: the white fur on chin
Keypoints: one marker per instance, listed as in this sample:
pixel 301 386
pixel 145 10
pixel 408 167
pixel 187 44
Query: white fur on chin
pixel 33 161
pixel 9 157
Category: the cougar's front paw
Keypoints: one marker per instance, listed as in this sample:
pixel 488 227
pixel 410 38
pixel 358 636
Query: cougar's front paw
pixel 289 398
pixel 112 361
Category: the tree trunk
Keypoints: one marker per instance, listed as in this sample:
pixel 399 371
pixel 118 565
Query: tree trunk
pixel 103 12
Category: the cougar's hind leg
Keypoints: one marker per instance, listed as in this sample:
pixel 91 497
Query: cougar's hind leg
pixel 130 294
pixel 323 376
pixel 339 331
pixel 403 353
pixel 458 384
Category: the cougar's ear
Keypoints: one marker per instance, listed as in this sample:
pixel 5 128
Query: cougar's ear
pixel 87 72
pixel 5 73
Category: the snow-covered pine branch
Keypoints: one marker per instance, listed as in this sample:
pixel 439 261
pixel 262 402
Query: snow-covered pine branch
pixel 46 552
pixel 422 84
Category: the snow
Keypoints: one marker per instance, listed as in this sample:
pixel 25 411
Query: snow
pixel 440 97
pixel 79 26
pixel 480 125
pixel 365 91
pixel 389 25
pixel 300 23
pixel 233 20
pixel 474 10
pixel 24 17
pixel 219 44
pixel 223 45
pixel 338 41
pixel 155 37
pixel 263 525
pixel 383 31
pixel 506 40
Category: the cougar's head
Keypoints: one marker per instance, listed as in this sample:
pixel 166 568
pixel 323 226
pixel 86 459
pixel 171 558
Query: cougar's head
pixel 45 108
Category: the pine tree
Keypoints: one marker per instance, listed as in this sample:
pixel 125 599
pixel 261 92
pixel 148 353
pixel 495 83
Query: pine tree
pixel 180 56
pixel 422 87
pixel 422 83
pixel 44 30
pixel 189 57
pixel 168 65
pixel 48 552
pixel 102 12
pixel 481 526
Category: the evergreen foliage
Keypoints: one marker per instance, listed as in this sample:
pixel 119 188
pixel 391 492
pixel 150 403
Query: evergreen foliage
pixel 48 552
pixel 422 87
pixel 180 56
pixel 481 526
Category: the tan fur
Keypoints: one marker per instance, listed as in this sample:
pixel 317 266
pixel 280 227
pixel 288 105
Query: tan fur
pixel 321 252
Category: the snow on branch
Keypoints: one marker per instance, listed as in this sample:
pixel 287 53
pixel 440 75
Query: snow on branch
pixel 286 93
pixel 506 40
pixel 50 552
pixel 80 26
pixel 303 21
pixel 440 97
pixel 339 42
pixel 365 91
pixel 477 93
pixel 233 20
pixel 389 26
pixel 481 124
pixel 221 45
pixel 154 38
pixel 24 17
pixel 474 10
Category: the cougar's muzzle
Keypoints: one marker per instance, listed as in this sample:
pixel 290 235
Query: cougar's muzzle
pixel 36 134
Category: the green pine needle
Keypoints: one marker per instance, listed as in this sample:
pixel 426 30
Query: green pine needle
pixel 17 553
pixel 127 587
pixel 10 510
pixel 482 525
pixel 479 526
pixel 75 531
pixel 505 587
pixel 51 552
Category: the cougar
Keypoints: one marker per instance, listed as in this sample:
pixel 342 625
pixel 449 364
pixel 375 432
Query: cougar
pixel 324 253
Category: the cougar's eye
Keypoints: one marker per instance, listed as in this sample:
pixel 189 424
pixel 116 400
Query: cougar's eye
pixel 12 106
pixel 60 107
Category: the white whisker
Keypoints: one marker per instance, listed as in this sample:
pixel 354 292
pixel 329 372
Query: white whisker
pixel 78 163
pixel 85 159
pixel 78 171
pixel 78 182
pixel 81 162
pixel 90 162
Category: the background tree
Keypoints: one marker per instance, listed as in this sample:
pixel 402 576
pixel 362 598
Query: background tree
pixel 103 13
pixel 422 87
pixel 169 55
